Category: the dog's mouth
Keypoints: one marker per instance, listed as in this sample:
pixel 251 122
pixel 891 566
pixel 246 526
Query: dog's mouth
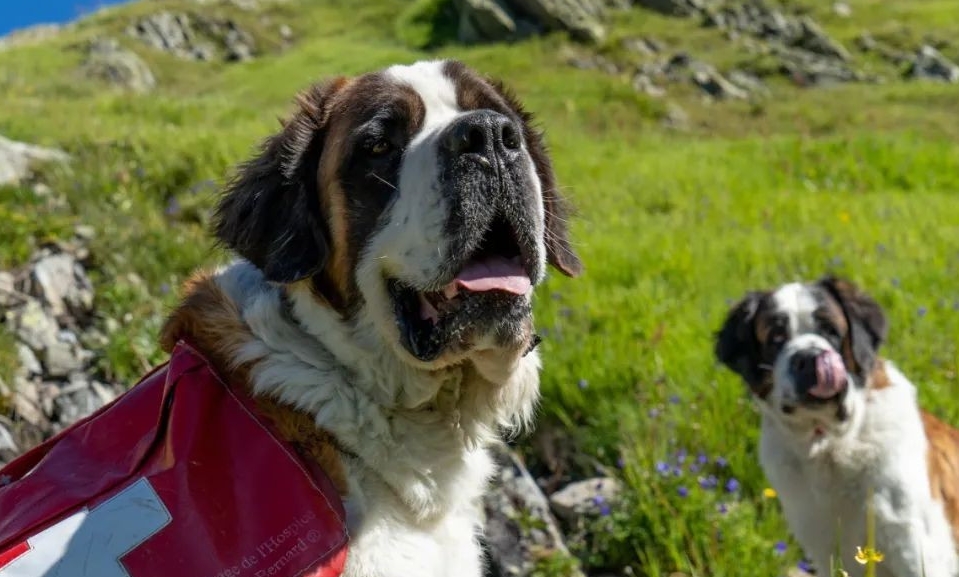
pixel 490 292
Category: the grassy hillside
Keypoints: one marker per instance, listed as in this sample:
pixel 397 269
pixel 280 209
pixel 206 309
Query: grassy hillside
pixel 672 225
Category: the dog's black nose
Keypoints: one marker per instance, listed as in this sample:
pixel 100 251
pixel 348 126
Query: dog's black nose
pixel 483 133
pixel 802 365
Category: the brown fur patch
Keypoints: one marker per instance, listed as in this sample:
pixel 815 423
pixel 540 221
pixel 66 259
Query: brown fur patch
pixel 210 322
pixel 943 463
pixel 879 380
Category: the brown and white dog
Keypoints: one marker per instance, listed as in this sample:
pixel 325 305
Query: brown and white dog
pixel 839 421
pixel 390 237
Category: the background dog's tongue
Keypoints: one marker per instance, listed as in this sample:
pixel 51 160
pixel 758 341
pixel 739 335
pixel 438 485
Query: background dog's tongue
pixel 830 375
pixel 496 273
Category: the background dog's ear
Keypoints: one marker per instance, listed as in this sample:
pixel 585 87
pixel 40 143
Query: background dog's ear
pixel 270 212
pixel 867 321
pixel 559 251
pixel 736 344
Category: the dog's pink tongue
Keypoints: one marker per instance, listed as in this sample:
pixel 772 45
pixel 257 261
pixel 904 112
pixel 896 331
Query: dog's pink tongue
pixel 494 273
pixel 830 375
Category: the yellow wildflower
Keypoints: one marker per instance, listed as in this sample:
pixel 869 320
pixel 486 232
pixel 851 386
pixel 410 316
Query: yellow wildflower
pixel 769 493
pixel 868 555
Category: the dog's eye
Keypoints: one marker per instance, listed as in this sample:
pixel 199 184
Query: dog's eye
pixel 829 331
pixel 777 334
pixel 379 147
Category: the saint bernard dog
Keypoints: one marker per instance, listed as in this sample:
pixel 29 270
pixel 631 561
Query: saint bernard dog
pixel 839 424
pixel 389 239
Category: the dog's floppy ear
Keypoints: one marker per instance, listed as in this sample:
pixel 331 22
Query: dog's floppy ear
pixel 559 251
pixel 736 344
pixel 867 321
pixel 270 213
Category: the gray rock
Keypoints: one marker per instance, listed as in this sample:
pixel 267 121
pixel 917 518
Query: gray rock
pixel 842 9
pixel 485 20
pixel 63 285
pixel 61 359
pixel 715 84
pixel 107 61
pixel 29 365
pixel 519 526
pixel 644 84
pixel 17 160
pixel 26 402
pixel 929 63
pixel 498 20
pixel 813 39
pixel 676 118
pixel 9 296
pixel 581 18
pixel 642 46
pixel 748 82
pixel 583 498
pixel 34 326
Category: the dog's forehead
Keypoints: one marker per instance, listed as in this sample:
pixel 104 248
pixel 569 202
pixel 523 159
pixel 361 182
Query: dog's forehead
pixel 803 304
pixel 436 90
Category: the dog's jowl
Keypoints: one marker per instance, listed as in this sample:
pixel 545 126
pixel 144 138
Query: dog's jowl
pixel 841 427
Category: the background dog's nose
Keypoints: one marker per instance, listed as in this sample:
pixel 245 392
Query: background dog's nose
pixel 484 133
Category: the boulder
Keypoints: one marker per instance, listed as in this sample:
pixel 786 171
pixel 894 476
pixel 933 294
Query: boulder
pixel 505 20
pixel 107 61
pixel 17 160
pixel 929 63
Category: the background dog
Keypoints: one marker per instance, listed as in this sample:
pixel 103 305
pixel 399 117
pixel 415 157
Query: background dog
pixel 391 235
pixel 838 422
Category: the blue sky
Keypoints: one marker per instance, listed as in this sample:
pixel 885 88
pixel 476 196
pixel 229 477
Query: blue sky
pixel 16 14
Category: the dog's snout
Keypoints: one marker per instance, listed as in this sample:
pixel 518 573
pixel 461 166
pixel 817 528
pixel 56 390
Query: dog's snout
pixel 483 133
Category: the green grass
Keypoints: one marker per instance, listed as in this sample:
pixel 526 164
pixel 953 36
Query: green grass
pixel 673 225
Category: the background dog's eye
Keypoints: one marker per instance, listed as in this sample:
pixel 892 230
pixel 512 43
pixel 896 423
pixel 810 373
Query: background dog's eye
pixel 777 334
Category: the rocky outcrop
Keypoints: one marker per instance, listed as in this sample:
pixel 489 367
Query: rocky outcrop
pixel 18 159
pixel 506 20
pixel 194 36
pixel 109 62
pixel 520 529
pixel 47 306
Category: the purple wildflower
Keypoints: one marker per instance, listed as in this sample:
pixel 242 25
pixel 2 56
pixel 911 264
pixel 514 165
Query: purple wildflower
pixel 164 288
pixel 702 459
pixel 674 399
pixel 805 566
pixel 708 483
pixel 921 311
pixel 722 508
pixel 598 500
pixel 582 384
pixel 732 485
pixel 604 510
pixel 721 462
pixel 677 471
pixel 620 463
pixel 662 467
pixel 681 456
pixel 780 548
pixel 683 492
